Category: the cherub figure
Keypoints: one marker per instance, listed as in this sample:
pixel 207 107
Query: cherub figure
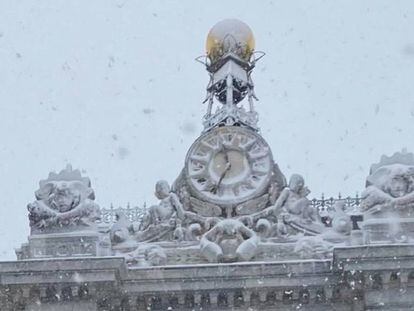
pixel 229 240
pixel 168 205
pixel 293 200
pixel 292 204
pixel 170 218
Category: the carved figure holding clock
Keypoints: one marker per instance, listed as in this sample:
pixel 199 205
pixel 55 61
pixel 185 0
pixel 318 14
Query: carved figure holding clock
pixel 170 210
pixel 293 201
pixel 167 206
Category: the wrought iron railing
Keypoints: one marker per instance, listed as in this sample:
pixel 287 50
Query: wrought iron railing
pixel 134 213
pixel 327 205
pixel 324 205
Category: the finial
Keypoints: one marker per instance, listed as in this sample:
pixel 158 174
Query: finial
pixel 230 36
pixel 229 61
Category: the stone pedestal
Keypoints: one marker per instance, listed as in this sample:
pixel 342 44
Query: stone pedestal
pixel 388 230
pixel 356 237
pixel 70 244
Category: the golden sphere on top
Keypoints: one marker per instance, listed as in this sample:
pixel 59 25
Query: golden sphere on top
pixel 230 35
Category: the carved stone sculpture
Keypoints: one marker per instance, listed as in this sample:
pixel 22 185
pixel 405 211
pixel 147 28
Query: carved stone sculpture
pixel 293 208
pixel 64 201
pixel 122 229
pixel 166 221
pixel 166 208
pixel 160 221
pixel 229 240
pixel 341 222
pixel 293 200
pixel 390 187
pixel 313 247
pixel 388 200
pixel 147 255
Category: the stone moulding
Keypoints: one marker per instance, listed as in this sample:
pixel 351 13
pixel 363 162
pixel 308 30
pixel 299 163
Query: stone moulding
pixel 348 281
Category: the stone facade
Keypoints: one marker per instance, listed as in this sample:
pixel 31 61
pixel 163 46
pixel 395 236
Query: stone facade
pixel 230 233
pixel 357 278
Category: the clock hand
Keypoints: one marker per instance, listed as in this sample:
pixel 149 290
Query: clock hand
pixel 226 156
pixel 228 167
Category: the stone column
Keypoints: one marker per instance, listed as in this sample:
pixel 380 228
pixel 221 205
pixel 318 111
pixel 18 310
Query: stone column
pixel 386 275
pixel 295 294
pixel 74 290
pixel 279 294
pixel 230 299
pixel 42 291
pixel 262 295
pixel 133 302
pixel 141 303
pixel 181 299
pixel 213 299
pixel 328 292
pixel 59 290
pixel 165 301
pixel 403 279
pixel 197 299
pixel 246 296
pixel 312 294
pixel 26 292
pixel 368 280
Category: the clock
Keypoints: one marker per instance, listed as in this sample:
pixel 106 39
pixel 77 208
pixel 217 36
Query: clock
pixel 229 165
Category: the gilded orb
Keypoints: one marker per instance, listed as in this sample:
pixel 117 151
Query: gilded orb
pixel 230 35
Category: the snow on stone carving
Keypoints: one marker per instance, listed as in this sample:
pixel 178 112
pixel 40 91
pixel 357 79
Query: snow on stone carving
pixel 390 186
pixel 146 255
pixel 64 201
pixel 121 230
pixel 293 200
pixel 167 207
pixel 388 200
pixel 341 222
pixel 313 247
pixel 293 208
pixel 229 240
pixel 166 221
pixel 231 201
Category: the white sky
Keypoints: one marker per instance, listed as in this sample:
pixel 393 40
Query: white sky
pixel 112 87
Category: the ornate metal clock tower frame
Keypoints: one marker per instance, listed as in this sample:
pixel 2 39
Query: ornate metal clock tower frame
pixel 229 170
pixel 230 61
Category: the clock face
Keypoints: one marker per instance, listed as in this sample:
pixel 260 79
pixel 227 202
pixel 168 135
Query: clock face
pixel 229 165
